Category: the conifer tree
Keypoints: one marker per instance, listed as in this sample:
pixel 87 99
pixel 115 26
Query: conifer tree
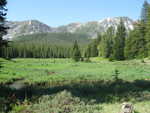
pixel 3 28
pixel 106 44
pixel 94 50
pixel 147 35
pixel 87 53
pixel 136 43
pixel 110 37
pixel 103 47
pixel 76 52
pixel 144 18
pixel 119 42
pixel 144 11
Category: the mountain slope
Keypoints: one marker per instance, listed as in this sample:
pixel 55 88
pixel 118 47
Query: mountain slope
pixel 92 28
pixel 26 28
pixel 54 38
pixel 89 28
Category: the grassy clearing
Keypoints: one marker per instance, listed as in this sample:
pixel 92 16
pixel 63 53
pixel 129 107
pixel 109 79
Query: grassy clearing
pixel 63 86
pixel 49 70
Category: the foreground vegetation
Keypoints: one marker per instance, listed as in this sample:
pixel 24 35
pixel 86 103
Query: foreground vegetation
pixel 64 86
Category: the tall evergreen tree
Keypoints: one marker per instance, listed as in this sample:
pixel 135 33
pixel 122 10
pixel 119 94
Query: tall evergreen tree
pixel 76 52
pixel 106 45
pixel 144 18
pixel 147 36
pixel 3 28
pixel 87 53
pixel 103 47
pixel 119 42
pixel 110 37
pixel 144 11
pixel 94 50
pixel 136 43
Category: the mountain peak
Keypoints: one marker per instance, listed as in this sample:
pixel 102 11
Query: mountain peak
pixel 18 28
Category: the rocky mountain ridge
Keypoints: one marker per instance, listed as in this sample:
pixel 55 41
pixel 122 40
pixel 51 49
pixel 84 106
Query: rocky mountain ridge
pixel 90 28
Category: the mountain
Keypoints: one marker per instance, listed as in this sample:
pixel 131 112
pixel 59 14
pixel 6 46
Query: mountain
pixel 26 28
pixel 94 27
pixel 89 28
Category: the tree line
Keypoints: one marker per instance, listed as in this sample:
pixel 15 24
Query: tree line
pixel 35 50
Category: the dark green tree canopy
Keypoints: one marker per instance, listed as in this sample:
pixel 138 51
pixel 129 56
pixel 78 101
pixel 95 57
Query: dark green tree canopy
pixel 119 42
pixel 147 34
pixel 136 43
pixel 76 52
pixel 3 28
pixel 144 11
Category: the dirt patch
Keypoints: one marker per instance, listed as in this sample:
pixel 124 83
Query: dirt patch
pixel 50 73
pixel 14 80
pixel 17 84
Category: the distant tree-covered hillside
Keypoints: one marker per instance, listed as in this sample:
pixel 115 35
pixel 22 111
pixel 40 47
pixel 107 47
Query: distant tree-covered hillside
pixel 54 38
pixel 44 45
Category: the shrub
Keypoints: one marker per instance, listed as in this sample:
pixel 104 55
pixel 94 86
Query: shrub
pixel 63 102
pixel 116 75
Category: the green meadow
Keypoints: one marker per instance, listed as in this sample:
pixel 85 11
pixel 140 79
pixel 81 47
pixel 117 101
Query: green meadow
pixel 59 70
pixel 64 86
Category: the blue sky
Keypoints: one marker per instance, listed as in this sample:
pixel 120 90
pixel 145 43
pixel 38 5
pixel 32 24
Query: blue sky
pixel 60 12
